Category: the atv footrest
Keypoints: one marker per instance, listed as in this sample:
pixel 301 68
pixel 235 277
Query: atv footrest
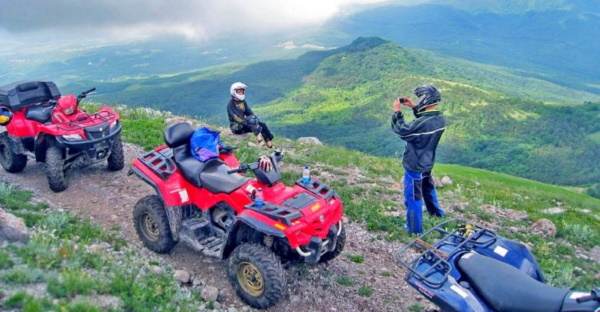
pixel 199 234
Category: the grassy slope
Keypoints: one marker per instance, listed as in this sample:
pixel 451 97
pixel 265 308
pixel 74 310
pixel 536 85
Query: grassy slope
pixel 369 187
pixel 367 184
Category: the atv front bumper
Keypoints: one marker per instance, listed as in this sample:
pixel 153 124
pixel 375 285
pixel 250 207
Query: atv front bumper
pixel 97 146
pixel 317 247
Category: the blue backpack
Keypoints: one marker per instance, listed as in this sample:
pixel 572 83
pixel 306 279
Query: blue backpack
pixel 205 144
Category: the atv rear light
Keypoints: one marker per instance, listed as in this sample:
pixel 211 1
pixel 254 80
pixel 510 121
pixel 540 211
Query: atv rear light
pixel 72 137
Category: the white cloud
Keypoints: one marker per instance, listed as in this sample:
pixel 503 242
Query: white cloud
pixel 192 19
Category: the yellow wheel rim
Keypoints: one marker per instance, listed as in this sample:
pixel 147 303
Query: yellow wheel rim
pixel 150 227
pixel 250 279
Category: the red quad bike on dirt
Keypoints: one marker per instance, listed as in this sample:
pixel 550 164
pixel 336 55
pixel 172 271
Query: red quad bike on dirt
pixel 210 207
pixel 51 129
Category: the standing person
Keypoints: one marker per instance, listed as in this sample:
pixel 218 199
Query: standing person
pixel 242 119
pixel 422 137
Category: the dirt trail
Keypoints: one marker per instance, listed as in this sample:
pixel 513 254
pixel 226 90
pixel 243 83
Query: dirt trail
pixel 108 199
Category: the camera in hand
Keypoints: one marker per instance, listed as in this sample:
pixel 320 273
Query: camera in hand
pixel 402 100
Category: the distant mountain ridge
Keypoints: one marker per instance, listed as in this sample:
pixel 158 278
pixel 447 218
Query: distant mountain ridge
pixel 344 97
pixel 552 37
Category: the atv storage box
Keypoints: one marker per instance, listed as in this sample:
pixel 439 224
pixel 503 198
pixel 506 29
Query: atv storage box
pixel 24 93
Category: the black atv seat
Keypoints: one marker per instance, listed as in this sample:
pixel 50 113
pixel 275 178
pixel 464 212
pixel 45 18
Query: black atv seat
pixel 214 177
pixel 211 174
pixel 506 288
pixel 39 113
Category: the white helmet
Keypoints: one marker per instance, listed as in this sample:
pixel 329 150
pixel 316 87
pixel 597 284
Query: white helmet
pixel 233 90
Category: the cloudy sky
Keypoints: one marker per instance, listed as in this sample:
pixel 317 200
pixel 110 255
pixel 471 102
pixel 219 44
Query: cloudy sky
pixel 191 19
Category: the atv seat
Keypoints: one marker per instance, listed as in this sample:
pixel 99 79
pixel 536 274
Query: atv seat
pixel 211 174
pixel 506 288
pixel 214 177
pixel 39 113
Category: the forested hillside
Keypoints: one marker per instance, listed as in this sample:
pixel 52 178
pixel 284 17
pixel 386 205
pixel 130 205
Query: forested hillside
pixel 347 101
pixel 498 120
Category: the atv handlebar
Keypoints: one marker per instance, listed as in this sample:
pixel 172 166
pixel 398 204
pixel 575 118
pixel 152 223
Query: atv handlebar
pixel 244 168
pixel 594 295
pixel 241 168
pixel 84 94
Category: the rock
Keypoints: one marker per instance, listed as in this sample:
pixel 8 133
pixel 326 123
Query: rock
pixel 595 253
pixel 555 210
pixel 309 140
pixel 210 293
pixel 195 123
pixel 394 214
pixel 295 299
pixel 446 181
pixel 182 276
pixel 448 194
pixel 95 249
pixel 12 229
pixel 156 269
pixel 543 227
pixel 506 212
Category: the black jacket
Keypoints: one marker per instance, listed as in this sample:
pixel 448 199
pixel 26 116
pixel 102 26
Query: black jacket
pixel 237 110
pixel 422 137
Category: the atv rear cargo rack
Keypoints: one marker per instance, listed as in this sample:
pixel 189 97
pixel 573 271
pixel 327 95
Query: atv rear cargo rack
pixel 160 162
pixel 431 265
pixel 318 188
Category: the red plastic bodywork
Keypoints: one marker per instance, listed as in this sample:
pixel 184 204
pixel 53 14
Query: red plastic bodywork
pixel 177 191
pixel 75 123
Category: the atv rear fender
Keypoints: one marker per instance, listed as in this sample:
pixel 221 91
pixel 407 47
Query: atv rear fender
pixel 22 127
pixel 171 191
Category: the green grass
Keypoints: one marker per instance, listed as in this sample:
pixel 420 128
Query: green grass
pixel 356 258
pixel 346 281
pixel 57 254
pixel 365 291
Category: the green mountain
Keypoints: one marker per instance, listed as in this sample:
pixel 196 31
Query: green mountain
pixel 552 38
pixel 499 119
pixel 347 101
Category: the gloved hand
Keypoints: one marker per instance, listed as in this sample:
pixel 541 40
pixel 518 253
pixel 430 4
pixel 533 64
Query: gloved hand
pixel 265 164
pixel 252 120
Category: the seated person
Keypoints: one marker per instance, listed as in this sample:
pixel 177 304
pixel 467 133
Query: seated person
pixel 243 120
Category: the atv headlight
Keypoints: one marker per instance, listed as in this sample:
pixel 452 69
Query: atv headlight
pixel 72 137
pixel 113 124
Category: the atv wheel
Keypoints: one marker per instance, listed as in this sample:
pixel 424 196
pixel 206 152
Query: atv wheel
pixel 152 225
pixel 10 161
pixel 257 275
pixel 341 242
pixel 116 159
pixel 55 169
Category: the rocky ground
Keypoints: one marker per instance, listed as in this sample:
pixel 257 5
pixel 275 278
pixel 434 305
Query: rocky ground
pixel 108 199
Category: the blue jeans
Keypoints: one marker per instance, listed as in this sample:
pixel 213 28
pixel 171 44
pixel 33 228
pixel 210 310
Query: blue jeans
pixel 419 187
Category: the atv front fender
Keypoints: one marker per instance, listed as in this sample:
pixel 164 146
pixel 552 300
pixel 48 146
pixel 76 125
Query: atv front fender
pixel 259 222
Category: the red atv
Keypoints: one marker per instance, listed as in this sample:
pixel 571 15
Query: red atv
pixel 211 207
pixel 52 129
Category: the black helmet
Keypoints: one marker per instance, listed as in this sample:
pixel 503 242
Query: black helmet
pixel 428 95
